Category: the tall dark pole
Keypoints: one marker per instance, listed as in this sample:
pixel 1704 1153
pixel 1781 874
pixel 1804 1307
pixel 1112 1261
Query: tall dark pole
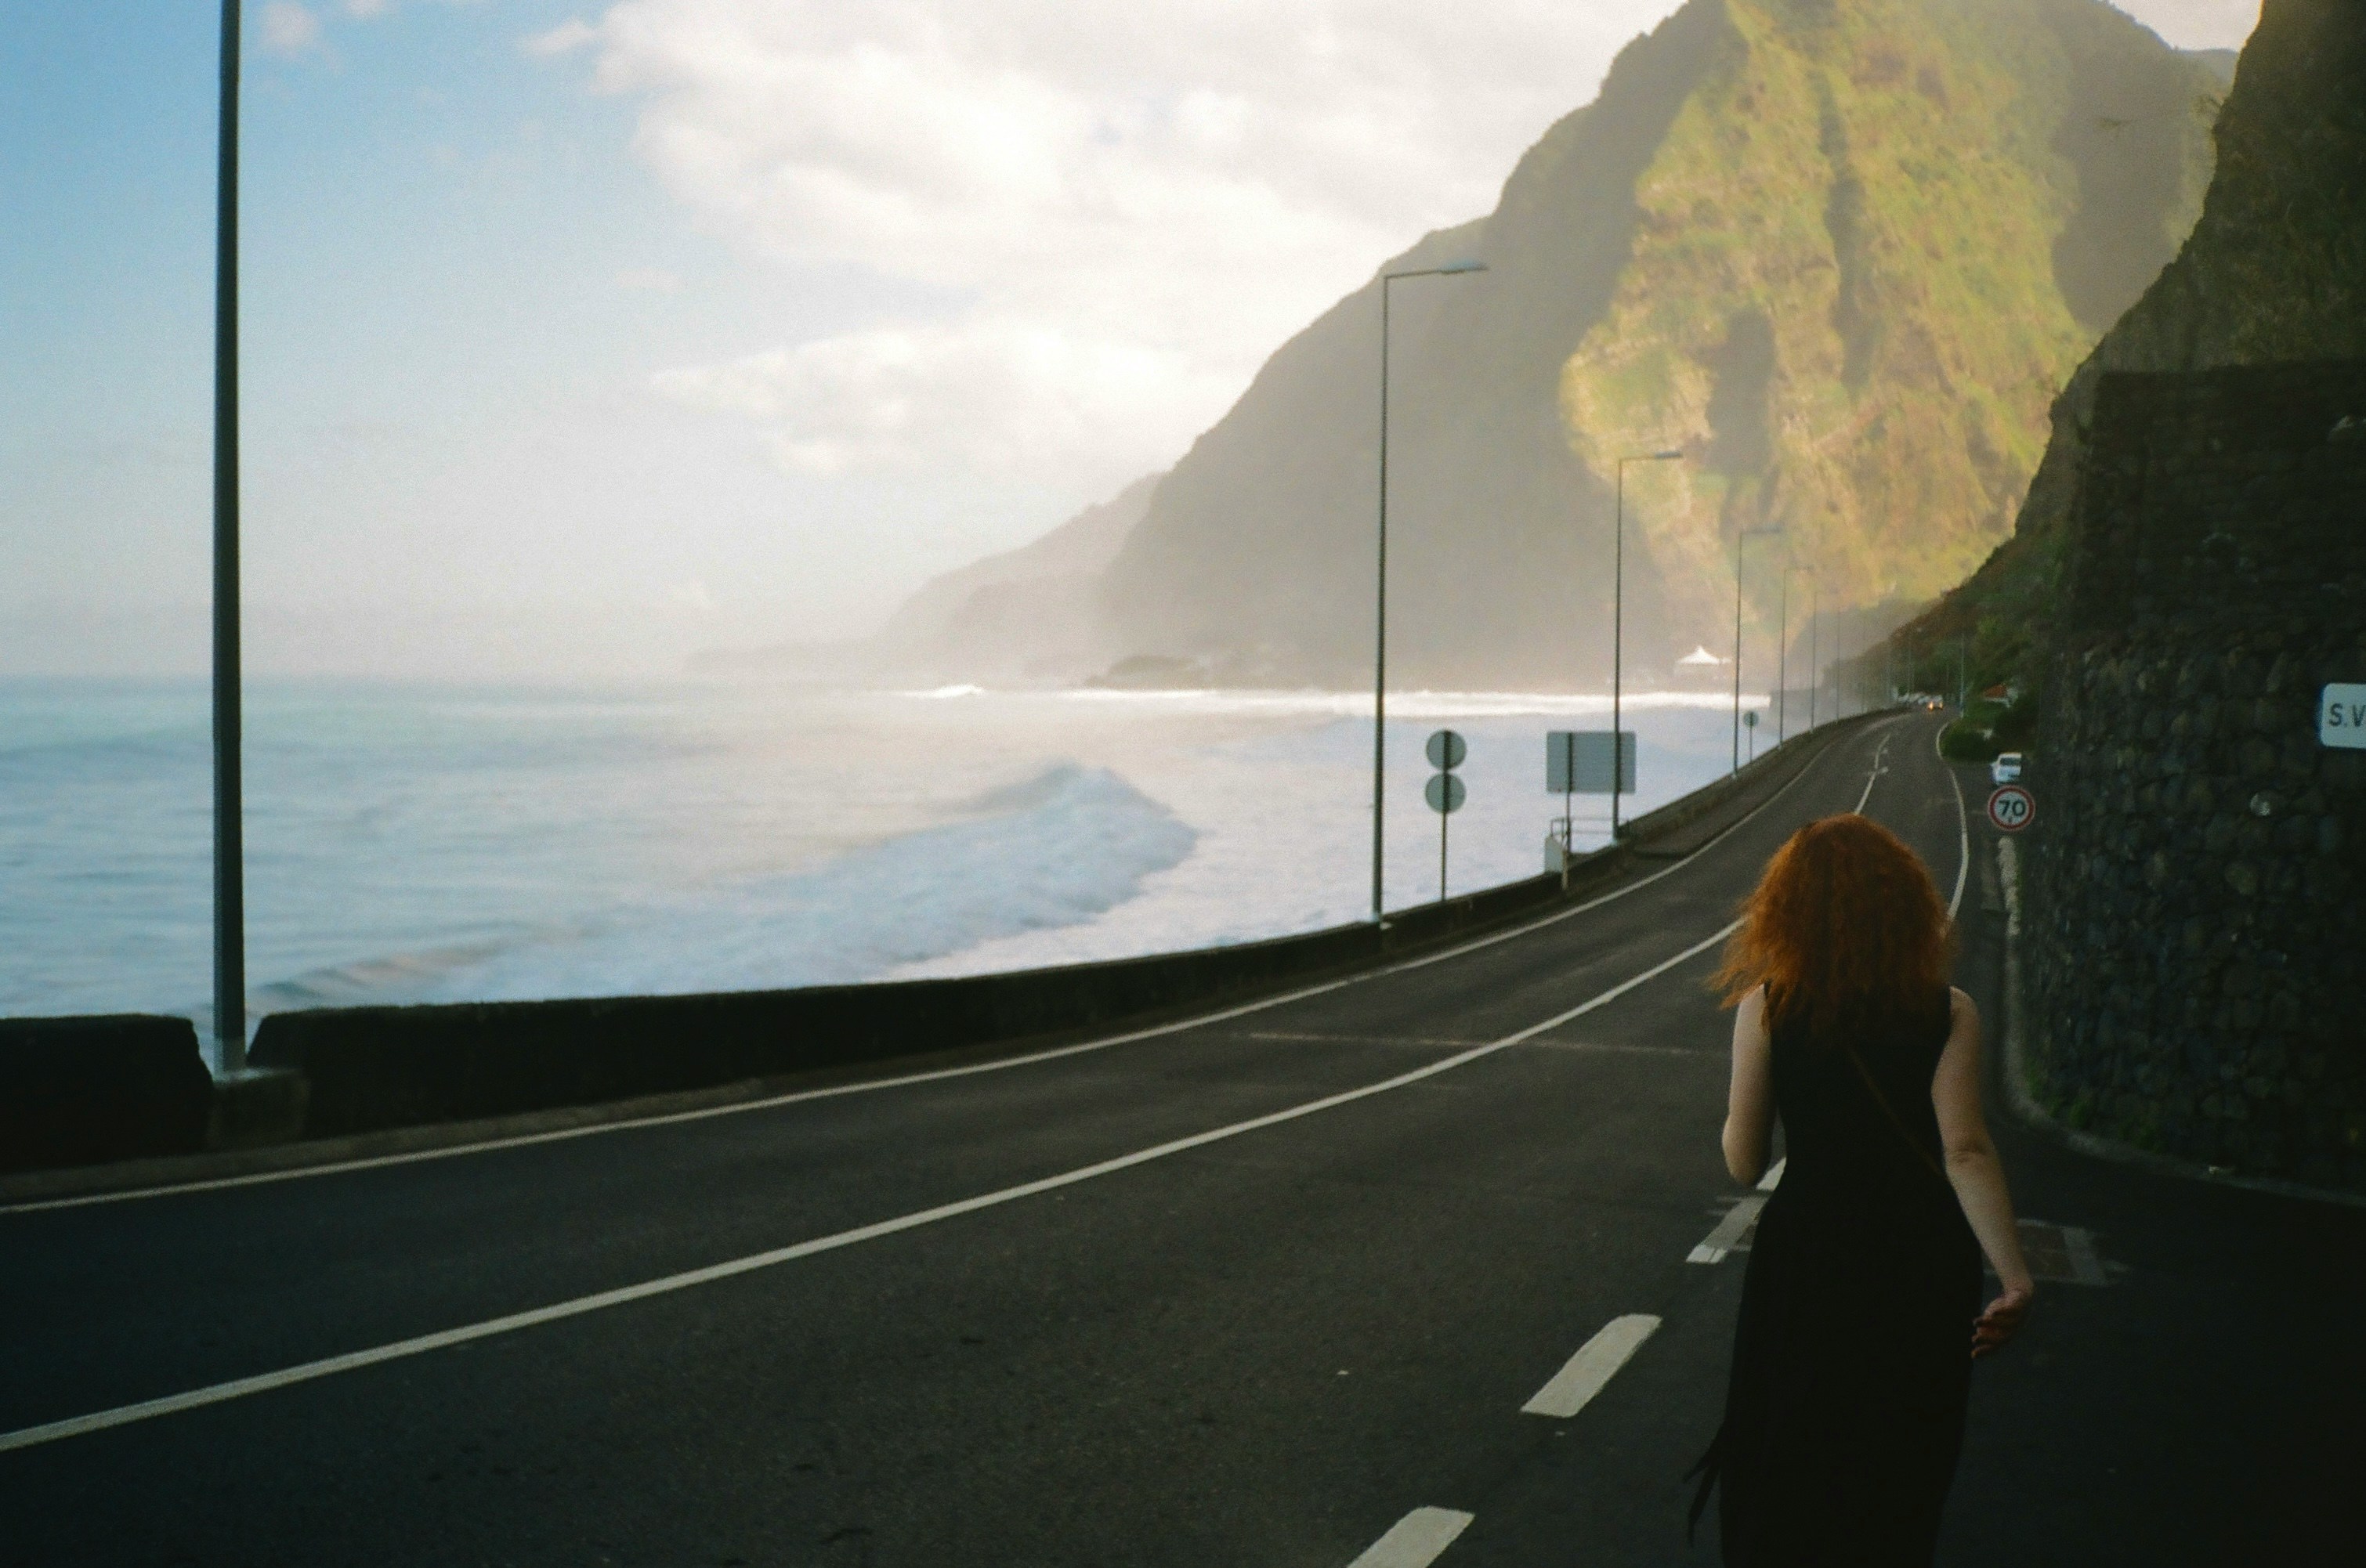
pixel 1617 642
pixel 1781 651
pixel 1815 664
pixel 1741 538
pixel 1381 617
pixel 1619 628
pixel 229 890
pixel 1381 597
pixel 1738 539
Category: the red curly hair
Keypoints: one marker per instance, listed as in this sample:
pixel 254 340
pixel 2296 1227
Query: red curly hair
pixel 1845 928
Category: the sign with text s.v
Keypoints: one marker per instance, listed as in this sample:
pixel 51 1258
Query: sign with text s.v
pixel 2341 716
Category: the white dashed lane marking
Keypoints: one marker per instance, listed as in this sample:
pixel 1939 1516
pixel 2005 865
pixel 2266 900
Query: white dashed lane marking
pixel 1728 1234
pixel 1591 1369
pixel 1414 1540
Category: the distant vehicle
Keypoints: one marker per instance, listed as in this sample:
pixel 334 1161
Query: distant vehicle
pixel 2006 769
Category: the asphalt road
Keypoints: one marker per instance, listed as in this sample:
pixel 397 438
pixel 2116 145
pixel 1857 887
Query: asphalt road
pixel 1075 1312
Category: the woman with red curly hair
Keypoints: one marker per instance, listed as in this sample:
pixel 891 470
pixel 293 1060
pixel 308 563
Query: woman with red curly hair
pixel 1850 1361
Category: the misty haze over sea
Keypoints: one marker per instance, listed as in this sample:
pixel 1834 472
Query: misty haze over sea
pixel 453 843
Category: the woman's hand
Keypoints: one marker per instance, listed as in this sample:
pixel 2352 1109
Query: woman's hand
pixel 2002 1321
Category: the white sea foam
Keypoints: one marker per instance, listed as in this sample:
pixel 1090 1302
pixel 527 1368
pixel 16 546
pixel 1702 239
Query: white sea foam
pixel 1053 852
pixel 412 845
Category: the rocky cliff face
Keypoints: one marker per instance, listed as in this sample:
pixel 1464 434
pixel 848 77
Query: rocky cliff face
pixel 1841 251
pixel 2274 271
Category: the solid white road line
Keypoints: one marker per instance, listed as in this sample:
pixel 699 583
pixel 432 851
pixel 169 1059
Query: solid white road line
pixel 900 1081
pixel 307 1372
pixel 1414 1540
pixel 1962 827
pixel 1591 1369
pixel 1875 772
pixel 1718 1242
pixel 1774 1176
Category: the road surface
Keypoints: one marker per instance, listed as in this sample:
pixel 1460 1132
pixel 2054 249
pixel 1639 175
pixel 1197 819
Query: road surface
pixel 1270 1288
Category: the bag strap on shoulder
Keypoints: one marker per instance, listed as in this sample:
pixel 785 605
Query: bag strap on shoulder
pixel 1883 1100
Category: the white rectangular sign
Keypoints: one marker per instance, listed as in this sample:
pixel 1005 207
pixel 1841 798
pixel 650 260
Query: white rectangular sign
pixel 1578 762
pixel 2341 716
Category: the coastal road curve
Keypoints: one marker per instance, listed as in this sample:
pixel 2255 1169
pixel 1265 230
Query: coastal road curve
pixel 1267 1288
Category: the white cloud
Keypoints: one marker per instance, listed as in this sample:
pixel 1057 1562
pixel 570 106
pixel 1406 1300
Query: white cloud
pixel 1130 206
pixel 288 29
pixel 367 10
pixel 1004 397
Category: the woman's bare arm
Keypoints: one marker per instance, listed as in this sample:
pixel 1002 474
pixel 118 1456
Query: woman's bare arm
pixel 1978 1176
pixel 1750 1101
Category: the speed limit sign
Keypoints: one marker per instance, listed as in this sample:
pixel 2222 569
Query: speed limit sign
pixel 2013 808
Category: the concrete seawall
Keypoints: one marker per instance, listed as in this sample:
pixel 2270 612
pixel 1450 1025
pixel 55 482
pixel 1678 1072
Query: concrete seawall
pixel 340 1072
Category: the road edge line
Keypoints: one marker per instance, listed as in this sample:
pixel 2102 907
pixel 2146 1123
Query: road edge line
pixel 900 1081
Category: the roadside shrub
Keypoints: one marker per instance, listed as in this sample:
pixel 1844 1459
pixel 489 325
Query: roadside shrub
pixel 1965 741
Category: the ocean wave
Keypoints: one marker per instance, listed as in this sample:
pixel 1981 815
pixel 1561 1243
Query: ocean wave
pixel 1061 848
pixel 1419 704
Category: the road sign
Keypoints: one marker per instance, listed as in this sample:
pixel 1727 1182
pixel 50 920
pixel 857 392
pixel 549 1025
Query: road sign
pixel 2013 808
pixel 1577 762
pixel 1444 791
pixel 1750 719
pixel 2341 716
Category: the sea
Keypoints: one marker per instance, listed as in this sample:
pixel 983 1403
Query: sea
pixel 417 844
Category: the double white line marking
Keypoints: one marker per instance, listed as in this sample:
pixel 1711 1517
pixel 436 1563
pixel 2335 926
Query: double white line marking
pixel 354 1361
pixel 307 1372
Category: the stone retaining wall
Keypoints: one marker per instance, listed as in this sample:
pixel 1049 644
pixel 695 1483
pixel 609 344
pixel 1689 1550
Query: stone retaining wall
pixel 2199 870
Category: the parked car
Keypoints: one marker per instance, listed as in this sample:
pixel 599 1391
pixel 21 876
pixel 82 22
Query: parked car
pixel 2006 769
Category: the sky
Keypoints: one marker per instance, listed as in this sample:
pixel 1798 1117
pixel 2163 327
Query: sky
pixel 578 340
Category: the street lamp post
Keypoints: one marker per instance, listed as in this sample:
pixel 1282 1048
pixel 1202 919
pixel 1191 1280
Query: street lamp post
pixel 230 890
pixel 1618 625
pixel 1738 539
pixel 1815 614
pixel 1380 610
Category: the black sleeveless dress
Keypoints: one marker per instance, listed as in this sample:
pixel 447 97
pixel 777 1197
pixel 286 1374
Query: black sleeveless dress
pixel 1852 1359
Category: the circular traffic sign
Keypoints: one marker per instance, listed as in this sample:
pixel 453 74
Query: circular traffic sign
pixel 1444 792
pixel 1750 717
pixel 1446 749
pixel 2013 808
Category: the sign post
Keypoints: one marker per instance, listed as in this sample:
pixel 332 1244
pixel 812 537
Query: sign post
pixel 1444 791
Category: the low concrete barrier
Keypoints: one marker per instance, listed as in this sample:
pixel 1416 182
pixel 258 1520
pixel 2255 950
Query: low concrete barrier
pixel 374 1067
pixel 89 1090
pixel 341 1072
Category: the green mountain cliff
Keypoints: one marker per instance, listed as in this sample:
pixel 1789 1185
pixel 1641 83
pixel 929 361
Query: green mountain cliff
pixel 1842 251
pixel 2275 269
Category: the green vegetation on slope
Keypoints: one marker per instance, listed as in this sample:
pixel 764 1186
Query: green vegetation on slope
pixel 1843 250
pixel 1852 286
pixel 2275 269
